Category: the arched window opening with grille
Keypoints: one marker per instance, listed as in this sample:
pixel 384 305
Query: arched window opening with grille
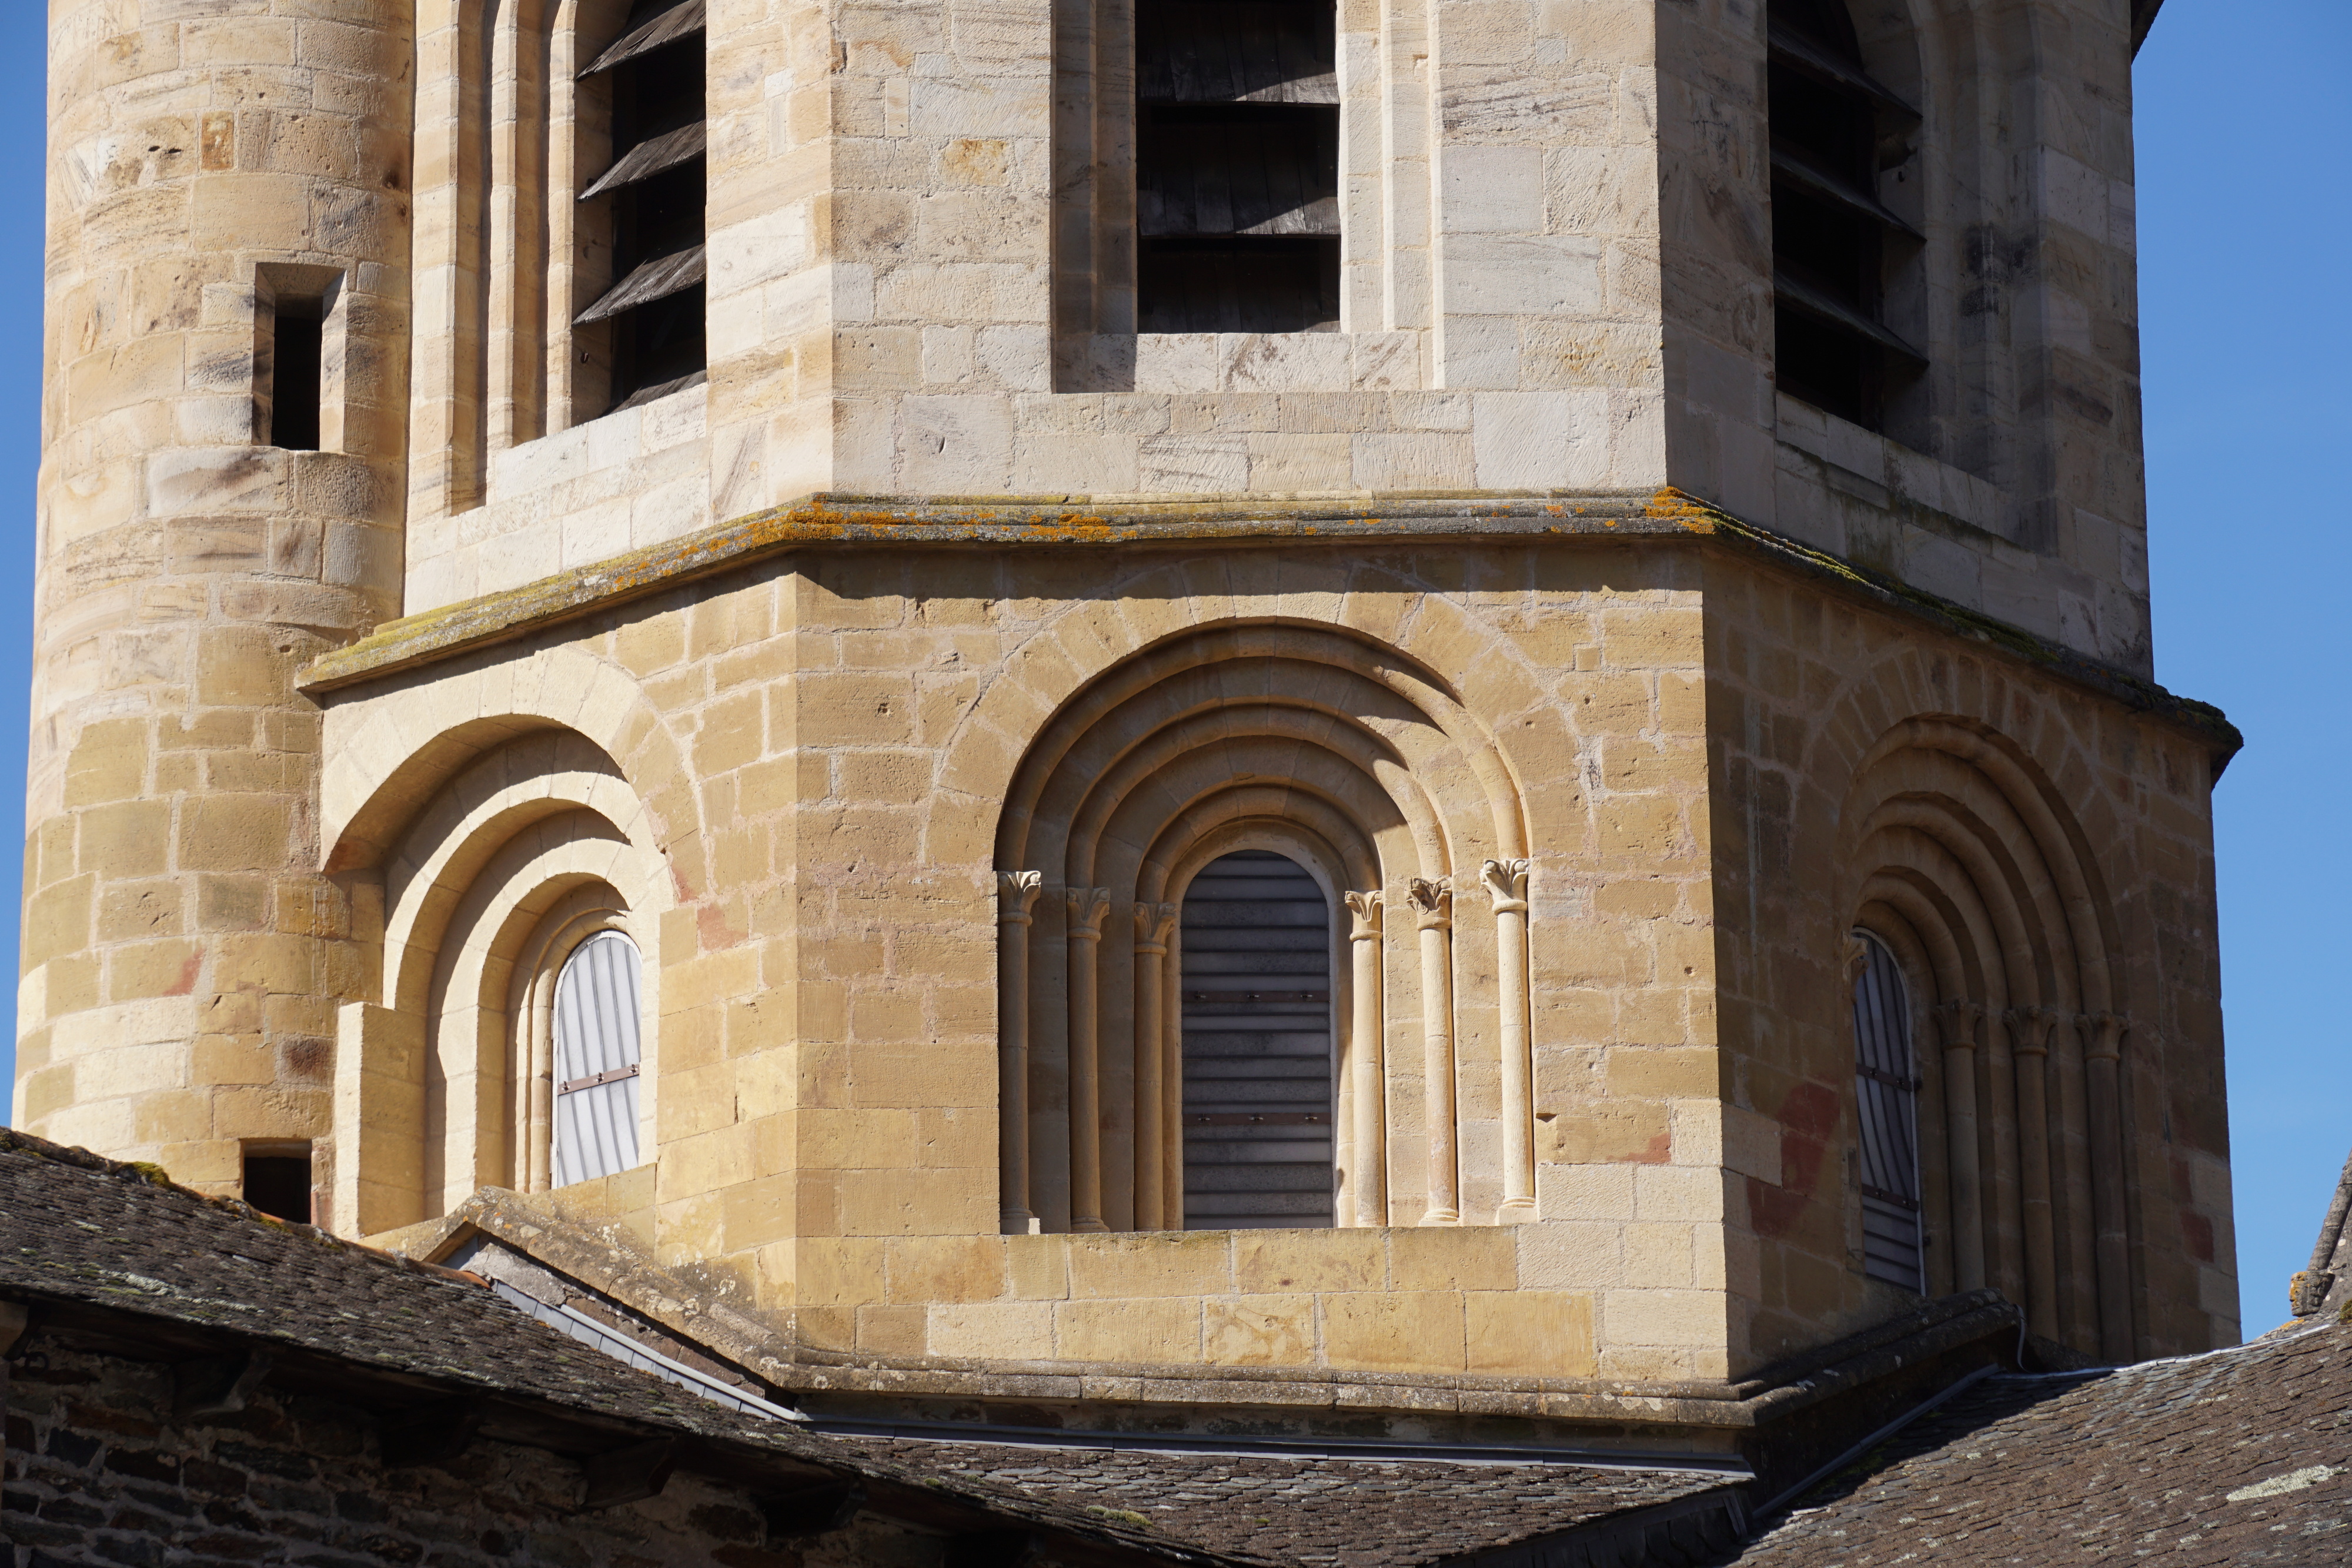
pixel 1886 1093
pixel 1258 1085
pixel 1835 130
pixel 598 1051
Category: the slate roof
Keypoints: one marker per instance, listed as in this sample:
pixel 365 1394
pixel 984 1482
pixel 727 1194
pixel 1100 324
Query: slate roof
pixel 77 1229
pixel 2241 1457
pixel 1264 1508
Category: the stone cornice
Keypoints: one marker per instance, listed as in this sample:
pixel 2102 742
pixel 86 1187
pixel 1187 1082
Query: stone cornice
pixel 1662 517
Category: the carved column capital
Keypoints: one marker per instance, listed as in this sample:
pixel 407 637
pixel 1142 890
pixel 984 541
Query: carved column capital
pixel 1154 923
pixel 2029 1029
pixel 1088 907
pixel 1853 953
pixel 1433 902
pixel 1507 883
pixel 1016 893
pixel 2103 1035
pixel 1956 1021
pixel 1364 911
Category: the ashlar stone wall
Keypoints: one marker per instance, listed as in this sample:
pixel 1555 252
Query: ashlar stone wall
pixel 794 780
pixel 1558 273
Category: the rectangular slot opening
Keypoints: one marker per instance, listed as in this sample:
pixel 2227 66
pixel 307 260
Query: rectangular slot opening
pixel 277 1180
pixel 646 211
pixel 298 374
pixel 1237 167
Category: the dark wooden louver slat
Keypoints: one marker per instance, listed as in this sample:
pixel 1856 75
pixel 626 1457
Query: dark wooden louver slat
pixel 1792 48
pixel 1799 295
pixel 647 159
pixel 1238 180
pixel 1802 173
pixel 1219 52
pixel 687 17
pixel 656 279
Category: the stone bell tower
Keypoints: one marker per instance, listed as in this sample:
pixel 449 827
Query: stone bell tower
pixel 1384 699
pixel 220 501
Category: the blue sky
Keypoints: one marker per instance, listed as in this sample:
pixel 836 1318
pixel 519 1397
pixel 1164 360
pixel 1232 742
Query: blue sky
pixel 2246 306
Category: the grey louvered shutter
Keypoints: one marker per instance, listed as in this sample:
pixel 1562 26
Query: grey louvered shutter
pixel 597 1051
pixel 1257 1046
pixel 1886 1087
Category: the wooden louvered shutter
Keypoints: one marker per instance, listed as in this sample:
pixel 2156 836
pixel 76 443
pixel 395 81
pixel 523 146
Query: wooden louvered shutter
pixel 1886 1087
pixel 1257 1046
pixel 597 1052
pixel 656 187
pixel 1237 166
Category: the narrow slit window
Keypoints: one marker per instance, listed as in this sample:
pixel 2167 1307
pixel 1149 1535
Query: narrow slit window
pixel 1258 1089
pixel 1831 232
pixel 598 1053
pixel 1886 1091
pixel 276 1180
pixel 298 374
pixel 654 194
pixel 1237 166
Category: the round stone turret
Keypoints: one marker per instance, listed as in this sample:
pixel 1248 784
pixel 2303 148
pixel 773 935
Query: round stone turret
pixel 220 501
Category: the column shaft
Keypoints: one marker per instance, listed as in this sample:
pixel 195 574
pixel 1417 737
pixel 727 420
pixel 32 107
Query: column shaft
pixel 1016 892
pixel 2103 1041
pixel 2028 1033
pixel 1367 1074
pixel 1088 907
pixel 1506 886
pixel 1433 906
pixel 1152 922
pixel 1964 1179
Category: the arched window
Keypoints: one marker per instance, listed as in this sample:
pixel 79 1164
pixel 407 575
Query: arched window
pixel 1834 130
pixel 1258 1087
pixel 1886 1091
pixel 597 1054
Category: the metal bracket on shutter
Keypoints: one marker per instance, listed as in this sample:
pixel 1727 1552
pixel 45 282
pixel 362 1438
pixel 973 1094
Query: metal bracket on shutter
pixel 1256 997
pixel 614 1076
pixel 1880 1075
pixel 1883 1195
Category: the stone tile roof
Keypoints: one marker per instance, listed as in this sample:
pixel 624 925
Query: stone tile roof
pixel 79 1229
pixel 1271 1508
pixel 2240 1456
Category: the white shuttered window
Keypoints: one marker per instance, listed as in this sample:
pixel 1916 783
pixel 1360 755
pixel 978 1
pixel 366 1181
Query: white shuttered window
pixel 597 1052
pixel 1887 1088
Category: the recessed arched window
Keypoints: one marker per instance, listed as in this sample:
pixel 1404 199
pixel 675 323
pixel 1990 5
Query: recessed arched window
pixel 1887 1093
pixel 1258 1045
pixel 597 1054
pixel 1834 129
